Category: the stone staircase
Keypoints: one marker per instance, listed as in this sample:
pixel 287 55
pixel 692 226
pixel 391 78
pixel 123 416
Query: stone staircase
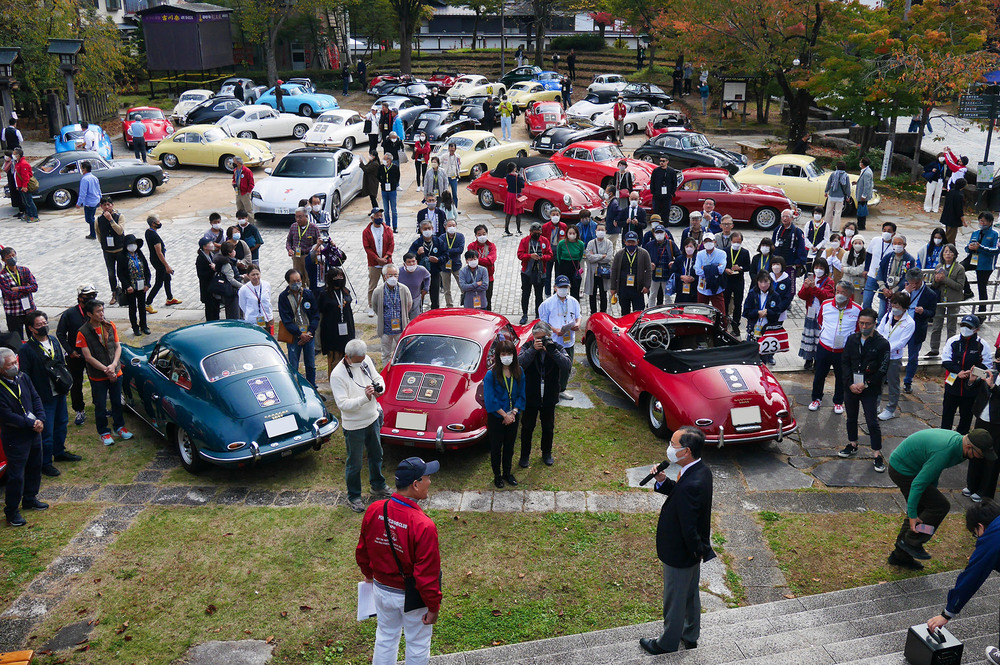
pixel 862 626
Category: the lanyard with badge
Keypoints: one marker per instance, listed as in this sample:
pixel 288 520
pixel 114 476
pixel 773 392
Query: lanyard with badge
pixel 838 337
pixel 451 243
pixel 342 326
pixel 567 335
pixel 630 279
pixel 15 277
pixel 387 186
pixel 686 286
pixel 258 293
pixel 508 382
pixel 298 248
pixel 27 414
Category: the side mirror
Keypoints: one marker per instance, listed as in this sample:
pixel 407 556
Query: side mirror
pixel 136 362
pixel 268 170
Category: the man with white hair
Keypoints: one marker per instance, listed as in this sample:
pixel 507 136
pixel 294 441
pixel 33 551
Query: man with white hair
pixel 392 304
pixel 355 384
pixel 21 431
pixel 790 244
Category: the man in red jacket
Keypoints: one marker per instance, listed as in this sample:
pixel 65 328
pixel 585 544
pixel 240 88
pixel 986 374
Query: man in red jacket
pixel 619 112
pixel 243 186
pixel 415 554
pixel 534 252
pixel 378 243
pixel 22 174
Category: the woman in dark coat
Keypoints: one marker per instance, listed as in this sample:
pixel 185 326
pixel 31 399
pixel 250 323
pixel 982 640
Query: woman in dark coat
pixel 511 206
pixel 336 328
pixel 133 275
pixel 489 115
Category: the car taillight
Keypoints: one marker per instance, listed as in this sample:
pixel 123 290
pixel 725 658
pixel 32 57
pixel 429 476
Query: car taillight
pixel 236 445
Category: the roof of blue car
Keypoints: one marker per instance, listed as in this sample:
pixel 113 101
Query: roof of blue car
pixel 202 339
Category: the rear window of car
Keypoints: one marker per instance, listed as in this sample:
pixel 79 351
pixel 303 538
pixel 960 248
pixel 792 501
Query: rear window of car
pixel 231 362
pixel 455 353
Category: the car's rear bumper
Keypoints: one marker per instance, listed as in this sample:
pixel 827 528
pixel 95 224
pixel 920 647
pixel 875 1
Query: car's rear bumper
pixel 441 440
pixel 253 453
pixel 752 436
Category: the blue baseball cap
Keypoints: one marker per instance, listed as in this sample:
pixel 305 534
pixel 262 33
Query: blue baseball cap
pixel 414 468
pixel 631 235
pixel 971 320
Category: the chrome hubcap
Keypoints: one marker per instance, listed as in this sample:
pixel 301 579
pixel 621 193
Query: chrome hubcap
pixel 186 448
pixel 144 185
pixel 61 197
pixel 655 412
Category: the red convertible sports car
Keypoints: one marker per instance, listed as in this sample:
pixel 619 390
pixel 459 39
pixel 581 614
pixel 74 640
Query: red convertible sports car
pixel 539 116
pixel 547 189
pixel 434 384
pixel 758 204
pixel 443 80
pixel 596 162
pixel 668 121
pixel 157 125
pixel 682 368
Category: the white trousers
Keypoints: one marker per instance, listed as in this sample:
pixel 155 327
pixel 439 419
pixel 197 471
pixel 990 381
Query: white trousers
pixel 933 198
pixel 392 622
pixel 833 211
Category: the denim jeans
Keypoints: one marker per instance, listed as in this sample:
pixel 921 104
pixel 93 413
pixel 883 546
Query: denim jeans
pixel 30 209
pixel 357 441
pixel 308 352
pixel 505 127
pixel 389 205
pixel 913 355
pixel 88 215
pixel 453 182
pixel 870 285
pixel 102 391
pixel 54 434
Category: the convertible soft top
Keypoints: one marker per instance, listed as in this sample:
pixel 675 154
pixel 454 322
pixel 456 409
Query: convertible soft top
pixel 520 162
pixel 678 362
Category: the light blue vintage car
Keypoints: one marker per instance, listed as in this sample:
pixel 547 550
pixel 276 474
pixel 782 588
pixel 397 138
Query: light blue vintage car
pixel 296 99
pixel 70 135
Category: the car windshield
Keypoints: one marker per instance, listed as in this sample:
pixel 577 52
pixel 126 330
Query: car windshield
pixel 461 143
pixel 306 166
pixel 293 91
pixel 330 119
pixel 593 98
pixel 49 164
pixel 146 114
pixel 582 123
pixel 231 362
pixel 466 80
pixel 607 153
pixel 732 184
pixel 193 96
pixel 694 141
pixel 73 135
pixel 212 135
pixel 439 351
pixel 814 170
pixel 542 172
pixel 520 86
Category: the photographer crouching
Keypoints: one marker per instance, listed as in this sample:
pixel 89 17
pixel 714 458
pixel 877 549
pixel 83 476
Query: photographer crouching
pixel 542 363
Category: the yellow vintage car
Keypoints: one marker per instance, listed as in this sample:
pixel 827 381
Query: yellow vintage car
pixel 523 93
pixel 480 151
pixel 800 177
pixel 210 145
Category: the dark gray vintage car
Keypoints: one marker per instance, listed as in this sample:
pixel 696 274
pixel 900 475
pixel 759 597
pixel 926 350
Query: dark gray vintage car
pixel 59 177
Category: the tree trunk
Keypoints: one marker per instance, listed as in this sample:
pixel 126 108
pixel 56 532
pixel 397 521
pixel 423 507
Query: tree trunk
pixel 270 57
pixel 529 43
pixel 798 108
pixel 652 56
pixel 759 94
pixel 405 46
pixel 916 168
pixel 475 30
pixel 539 43
pixel 600 29
pixel 767 109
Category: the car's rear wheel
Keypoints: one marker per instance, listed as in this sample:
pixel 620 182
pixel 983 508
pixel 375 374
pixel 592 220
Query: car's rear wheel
pixel 246 134
pixel 594 354
pixel 764 218
pixel 349 143
pixel 335 208
pixel 544 209
pixel 678 215
pixel 298 131
pixel 144 186
pixel 169 160
pixel 486 200
pixel 522 153
pixel 646 158
pixel 227 163
pixel 61 198
pixel 656 417
pixel 630 128
pixel 305 111
pixel 477 170
pixel 188 451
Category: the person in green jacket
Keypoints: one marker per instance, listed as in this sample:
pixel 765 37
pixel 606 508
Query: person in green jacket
pixel 915 466
pixel 569 259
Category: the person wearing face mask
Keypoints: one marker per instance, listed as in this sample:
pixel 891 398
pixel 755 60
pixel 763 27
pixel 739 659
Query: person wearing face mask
pixel 611 212
pixel 371 126
pixel 421 156
pixel 486 252
pixel 737 267
pixel 70 321
pixel 250 234
pixel 452 245
pixel 98 342
pixel 934 175
pixel 378 242
pixel 631 275
pixel 847 232
pixel 599 255
pixel 781 285
pixel 838 318
pixel 555 231
pixel 302 236
pixel 624 183
pixel 215 232
pixel 662 252
pixel 22 178
pixel 817 235
pixel 512 205
pixel 417 279
pixel 632 217
pixel 853 265
pixel 204 265
pixel 685 287
pixel 922 309
pixel 430 256
pixel 864 190
pixel 452 165
pixel 790 244
pixel 865 364
pixel 388 177
pixel 710 268
pixel 17 287
pixel 21 427
pixel 834 255
pixel 336 325
pixel 435 181
pixel 761 309
pixel 432 213
pixel 962 353
pixel 950 283
pixel 838 190
pixel 506 110
pixel 562 312
pixel 133 275
pixel 915 466
pixel 473 281
pixel 504 398
pixel 227 283
pixel 299 318
pixel 158 259
pixel 817 288
pixel 569 260
pixel 892 271
pixel 929 255
pixel 243 186
pixel 254 299
pixel 878 248
pixel 982 254
pixel 587 227
pixel 244 260
pixel 392 304
pixel 762 259
pixel 543 361
pixel 534 252
pixel 953 211
pixel 896 326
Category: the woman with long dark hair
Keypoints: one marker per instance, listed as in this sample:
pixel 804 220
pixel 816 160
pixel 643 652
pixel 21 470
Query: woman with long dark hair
pixel 504 394
pixel 336 327
pixel 511 206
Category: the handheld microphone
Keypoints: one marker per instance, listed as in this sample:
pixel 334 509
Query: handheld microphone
pixel 660 467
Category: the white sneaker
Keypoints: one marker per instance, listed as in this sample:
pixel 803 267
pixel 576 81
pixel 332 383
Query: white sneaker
pixel 814 406
pixel 370 312
pixel 993 655
pixel 838 409
pixel 966 491
pixel 887 415
pixel 975 498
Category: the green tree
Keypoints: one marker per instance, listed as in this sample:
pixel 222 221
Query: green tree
pixel 647 18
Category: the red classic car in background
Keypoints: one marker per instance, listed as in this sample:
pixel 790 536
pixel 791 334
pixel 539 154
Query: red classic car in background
pixel 540 116
pixel 597 161
pixel 667 121
pixel 157 125
pixel 443 80
pixel 758 204
pixel 546 189
pixel 3 461
pixel 434 383
pixel 682 368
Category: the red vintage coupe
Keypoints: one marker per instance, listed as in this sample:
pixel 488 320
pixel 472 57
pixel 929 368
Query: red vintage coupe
pixel 547 189
pixel 667 121
pixel 443 80
pixel 681 367
pixel 758 204
pixel 434 383
pixel 157 125
pixel 540 116
pixel 597 161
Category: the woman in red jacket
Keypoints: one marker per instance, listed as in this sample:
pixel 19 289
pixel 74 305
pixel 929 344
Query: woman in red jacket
pixel 421 157
pixel 816 288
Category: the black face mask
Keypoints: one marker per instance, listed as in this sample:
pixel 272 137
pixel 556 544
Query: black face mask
pixel 535 235
pixel 339 283
pixel 42 330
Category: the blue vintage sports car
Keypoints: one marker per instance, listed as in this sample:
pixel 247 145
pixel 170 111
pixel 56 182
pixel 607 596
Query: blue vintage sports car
pixel 550 80
pixel 71 135
pixel 222 393
pixel 297 100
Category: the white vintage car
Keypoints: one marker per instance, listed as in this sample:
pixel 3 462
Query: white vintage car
pixel 342 127
pixel 189 99
pixel 607 83
pixel 588 108
pixel 263 122
pixel 636 116
pixel 334 174
pixel 471 85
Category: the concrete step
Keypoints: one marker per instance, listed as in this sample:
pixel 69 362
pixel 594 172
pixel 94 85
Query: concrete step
pixel 862 626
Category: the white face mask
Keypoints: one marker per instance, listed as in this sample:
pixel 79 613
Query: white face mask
pixel 859 247
pixel 765 250
pixel 848 232
pixel 132 248
pixel 506 360
pixel 244 223
pixel 967 332
pixel 819 272
pixel 473 264
pixel 562 291
pixel 659 236
pixel 427 233
pixel 776 271
pixel 937 241
pixel 482 239
pixel 840 298
pixel 216 226
pixel 897 312
pixel 886 236
pixel 452 230
pixel 736 246
pixel 672 454
pixel 898 249
pixel 601 234
pixel 409 268
pixel 317 208
pixel 817 216
pixel 391 281
pixel 689 251
pixel 941 159
pixel 709 246
pixel 237 236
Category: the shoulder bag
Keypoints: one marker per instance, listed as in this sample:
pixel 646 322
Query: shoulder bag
pixel 57 371
pixel 412 599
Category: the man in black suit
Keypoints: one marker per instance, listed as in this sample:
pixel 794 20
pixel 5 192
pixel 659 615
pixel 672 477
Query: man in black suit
pixel 21 430
pixel 204 265
pixel 632 217
pixel 683 541
pixel 663 184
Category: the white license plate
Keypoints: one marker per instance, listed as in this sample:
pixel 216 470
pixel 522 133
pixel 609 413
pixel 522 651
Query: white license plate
pixel 280 426
pixel 282 211
pixel 745 415
pixel 412 421
pixel 545 140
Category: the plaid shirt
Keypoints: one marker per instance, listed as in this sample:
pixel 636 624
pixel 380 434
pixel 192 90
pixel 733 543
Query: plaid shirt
pixel 392 308
pixel 15 286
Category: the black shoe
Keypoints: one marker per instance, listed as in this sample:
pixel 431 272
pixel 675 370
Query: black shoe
pixel 146 331
pixel 904 561
pixel 511 480
pixel 498 482
pixel 15 519
pixel 523 321
pixel 523 463
pixel 34 504
pixel 67 456
pixel 933 354
pixel 848 451
pixel 548 460
pixel 809 364
pixel 907 388
pixel 917 552
pixel 689 645
pixel 90 237
pixel 649 645
pixel 879 464
pixel 50 471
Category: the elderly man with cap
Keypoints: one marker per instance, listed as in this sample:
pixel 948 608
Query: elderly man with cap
pixel 662 252
pixel 70 322
pixel 965 357
pixel 694 229
pixel 631 275
pixel 710 268
pixel 378 242
pixel 562 312
pixel 414 536
pixel 534 251
pixel 915 466
pixel 21 411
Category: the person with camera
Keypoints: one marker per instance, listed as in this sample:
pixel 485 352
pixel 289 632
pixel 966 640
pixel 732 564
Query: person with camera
pixel 542 362
pixel 355 383
pixel 42 360
pixel 562 312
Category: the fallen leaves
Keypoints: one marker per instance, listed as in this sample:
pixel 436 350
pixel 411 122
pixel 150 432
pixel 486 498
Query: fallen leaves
pixel 269 640
pixel 211 609
pixel 304 608
pixel 121 629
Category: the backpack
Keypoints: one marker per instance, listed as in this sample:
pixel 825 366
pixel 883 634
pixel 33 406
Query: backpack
pixel 220 286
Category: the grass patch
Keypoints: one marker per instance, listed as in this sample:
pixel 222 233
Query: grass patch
pixel 182 576
pixel 27 551
pixel 162 101
pixel 802 545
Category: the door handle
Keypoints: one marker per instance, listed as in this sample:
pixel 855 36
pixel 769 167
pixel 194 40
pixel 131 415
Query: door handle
pixel 632 365
pixel 154 397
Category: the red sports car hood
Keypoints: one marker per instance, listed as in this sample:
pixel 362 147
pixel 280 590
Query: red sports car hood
pixel 761 189
pixel 416 387
pixel 157 127
pixel 580 192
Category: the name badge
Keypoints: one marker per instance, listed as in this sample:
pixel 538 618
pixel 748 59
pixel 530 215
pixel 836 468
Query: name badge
pixel 974 259
pixel 859 378
pixel 950 380
pixel 341 328
pixel 394 324
pixel 436 191
pixel 30 416
pixel 447 266
pixel 630 281
pixel 663 190
pixel 567 339
pixel 140 285
pixel 686 288
pixel 659 271
pixel 26 303
pixel 701 284
pixel 298 253
pixel 260 321
pixel 387 186
pixel 109 241
pixel 476 302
